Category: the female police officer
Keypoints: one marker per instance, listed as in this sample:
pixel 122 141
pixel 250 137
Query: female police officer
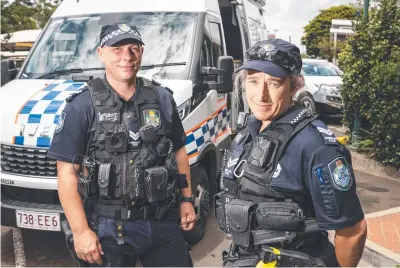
pixel 285 171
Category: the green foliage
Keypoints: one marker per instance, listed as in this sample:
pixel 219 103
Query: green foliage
pixel 304 56
pixel 371 81
pixel 25 14
pixel 327 48
pixel 318 29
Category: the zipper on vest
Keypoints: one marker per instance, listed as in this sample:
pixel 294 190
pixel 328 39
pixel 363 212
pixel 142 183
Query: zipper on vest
pixel 124 166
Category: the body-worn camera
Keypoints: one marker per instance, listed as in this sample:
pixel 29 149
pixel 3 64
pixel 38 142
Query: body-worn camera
pixel 116 142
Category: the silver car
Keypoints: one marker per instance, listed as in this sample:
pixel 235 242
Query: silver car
pixel 321 92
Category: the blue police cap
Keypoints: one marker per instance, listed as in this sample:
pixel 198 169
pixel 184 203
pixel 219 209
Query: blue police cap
pixel 275 57
pixel 116 32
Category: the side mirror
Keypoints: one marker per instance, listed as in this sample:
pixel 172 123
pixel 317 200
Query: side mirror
pixel 8 71
pixel 224 72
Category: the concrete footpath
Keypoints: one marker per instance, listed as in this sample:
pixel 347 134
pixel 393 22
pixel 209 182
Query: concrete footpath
pixel 382 248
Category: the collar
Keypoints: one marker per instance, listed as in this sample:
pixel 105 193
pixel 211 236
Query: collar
pixel 288 117
pixel 131 99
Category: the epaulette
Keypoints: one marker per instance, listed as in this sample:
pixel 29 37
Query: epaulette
pixel 73 95
pixel 327 134
pixel 161 85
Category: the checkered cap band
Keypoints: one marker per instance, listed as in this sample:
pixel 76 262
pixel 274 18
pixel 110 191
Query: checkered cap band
pixel 119 32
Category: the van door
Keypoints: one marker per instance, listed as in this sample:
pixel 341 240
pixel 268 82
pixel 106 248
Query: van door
pixel 255 21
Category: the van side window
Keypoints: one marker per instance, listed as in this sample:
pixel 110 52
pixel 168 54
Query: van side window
pixel 206 56
pixel 217 49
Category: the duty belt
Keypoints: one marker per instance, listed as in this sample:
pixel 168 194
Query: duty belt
pixel 125 213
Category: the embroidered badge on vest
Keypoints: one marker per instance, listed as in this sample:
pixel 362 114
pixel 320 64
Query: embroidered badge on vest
pixel 152 117
pixel 340 174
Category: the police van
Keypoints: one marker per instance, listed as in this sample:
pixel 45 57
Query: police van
pixel 192 47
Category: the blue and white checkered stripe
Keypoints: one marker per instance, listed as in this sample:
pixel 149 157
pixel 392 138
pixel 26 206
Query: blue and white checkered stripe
pixel 210 130
pixel 43 111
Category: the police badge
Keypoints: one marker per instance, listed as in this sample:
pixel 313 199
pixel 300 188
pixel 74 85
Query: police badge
pixel 151 118
pixel 341 177
pixel 124 27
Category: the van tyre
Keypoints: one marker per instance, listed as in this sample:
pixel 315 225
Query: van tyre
pixel 200 190
pixel 308 102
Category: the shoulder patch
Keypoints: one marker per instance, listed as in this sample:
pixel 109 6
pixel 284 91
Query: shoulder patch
pixel 327 134
pixel 60 123
pixel 340 174
pixel 72 96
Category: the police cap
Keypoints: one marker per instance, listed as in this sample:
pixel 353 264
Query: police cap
pixel 275 57
pixel 116 32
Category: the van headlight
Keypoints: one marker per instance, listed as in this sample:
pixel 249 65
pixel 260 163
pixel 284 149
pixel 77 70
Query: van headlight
pixel 329 89
pixel 184 109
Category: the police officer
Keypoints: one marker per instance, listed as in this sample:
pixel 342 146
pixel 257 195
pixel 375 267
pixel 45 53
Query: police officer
pixel 286 180
pixel 123 171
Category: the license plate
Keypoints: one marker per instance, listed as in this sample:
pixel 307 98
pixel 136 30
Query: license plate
pixel 38 220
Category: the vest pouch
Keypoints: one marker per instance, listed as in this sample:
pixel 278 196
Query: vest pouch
pixel 239 217
pixel 104 179
pixel 156 181
pixel 284 216
pixel 220 201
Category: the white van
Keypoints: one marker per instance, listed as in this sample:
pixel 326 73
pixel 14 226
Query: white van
pixel 189 48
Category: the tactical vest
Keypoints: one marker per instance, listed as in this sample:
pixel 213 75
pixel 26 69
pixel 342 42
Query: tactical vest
pixel 133 164
pixel 250 166
pixel 248 207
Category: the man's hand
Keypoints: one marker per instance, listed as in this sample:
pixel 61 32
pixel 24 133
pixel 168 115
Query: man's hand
pixel 188 217
pixel 88 247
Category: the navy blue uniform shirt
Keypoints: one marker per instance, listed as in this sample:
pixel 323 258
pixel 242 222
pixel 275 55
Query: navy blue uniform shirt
pixel 71 136
pixel 316 164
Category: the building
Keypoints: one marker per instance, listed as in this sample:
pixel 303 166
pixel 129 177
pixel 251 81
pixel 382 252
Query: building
pixel 18 44
pixel 340 30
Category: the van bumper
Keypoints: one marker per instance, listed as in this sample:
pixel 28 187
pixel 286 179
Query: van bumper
pixel 8 208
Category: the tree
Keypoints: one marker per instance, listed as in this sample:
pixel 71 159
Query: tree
pixel 327 48
pixel 317 30
pixel 16 16
pixel 43 11
pixel 371 81
pixel 25 14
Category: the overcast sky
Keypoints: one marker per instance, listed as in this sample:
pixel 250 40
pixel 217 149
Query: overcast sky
pixel 290 16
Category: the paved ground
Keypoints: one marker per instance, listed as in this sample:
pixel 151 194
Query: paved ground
pixel 47 249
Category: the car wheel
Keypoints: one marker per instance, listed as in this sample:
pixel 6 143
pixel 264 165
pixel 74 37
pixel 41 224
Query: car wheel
pixel 308 102
pixel 200 190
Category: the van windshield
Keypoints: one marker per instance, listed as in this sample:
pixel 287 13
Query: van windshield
pixel 71 43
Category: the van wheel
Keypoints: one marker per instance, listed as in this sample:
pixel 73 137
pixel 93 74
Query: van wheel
pixel 308 102
pixel 200 190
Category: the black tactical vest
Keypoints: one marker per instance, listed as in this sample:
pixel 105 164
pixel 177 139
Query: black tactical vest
pixel 249 166
pixel 124 154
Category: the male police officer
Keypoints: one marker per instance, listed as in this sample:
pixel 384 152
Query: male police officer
pixel 286 179
pixel 127 134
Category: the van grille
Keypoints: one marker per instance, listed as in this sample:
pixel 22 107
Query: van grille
pixel 27 161
pixel 30 195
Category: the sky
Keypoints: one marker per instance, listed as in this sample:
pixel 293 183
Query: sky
pixel 290 16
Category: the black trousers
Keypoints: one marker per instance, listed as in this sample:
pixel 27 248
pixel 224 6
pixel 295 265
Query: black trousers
pixel 154 243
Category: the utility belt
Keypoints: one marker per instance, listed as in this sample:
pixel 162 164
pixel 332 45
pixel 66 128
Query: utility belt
pixel 125 213
pixel 161 196
pixel 252 224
